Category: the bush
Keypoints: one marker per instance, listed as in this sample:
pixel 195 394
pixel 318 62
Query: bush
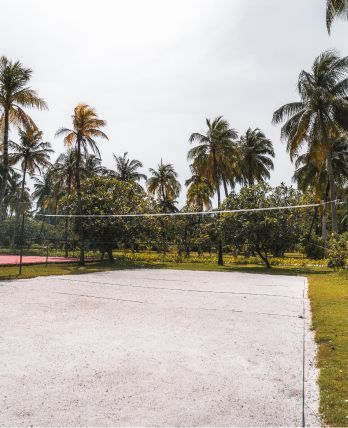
pixel 338 250
pixel 315 248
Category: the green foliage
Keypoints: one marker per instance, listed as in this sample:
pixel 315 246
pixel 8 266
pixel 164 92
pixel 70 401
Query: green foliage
pixel 263 232
pixel 314 248
pixel 338 250
pixel 103 195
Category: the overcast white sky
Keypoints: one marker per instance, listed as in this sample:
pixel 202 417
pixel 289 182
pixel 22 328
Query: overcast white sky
pixel 155 69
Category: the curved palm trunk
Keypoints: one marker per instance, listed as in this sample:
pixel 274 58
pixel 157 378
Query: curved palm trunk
pixel 79 203
pixel 5 164
pixel 332 191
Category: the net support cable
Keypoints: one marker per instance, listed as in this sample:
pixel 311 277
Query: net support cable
pixel 203 213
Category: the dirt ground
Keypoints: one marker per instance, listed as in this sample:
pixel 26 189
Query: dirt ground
pixel 157 348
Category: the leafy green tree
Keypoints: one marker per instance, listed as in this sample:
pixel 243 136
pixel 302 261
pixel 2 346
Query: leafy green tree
pixel 108 196
pixel 313 120
pixel 15 96
pixel 335 9
pixel 164 185
pixel 263 232
pixel 128 169
pixel 256 153
pixel 215 158
pixel 86 127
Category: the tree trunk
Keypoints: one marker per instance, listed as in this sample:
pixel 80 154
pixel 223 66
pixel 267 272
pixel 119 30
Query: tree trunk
pixel 225 186
pixel 110 255
pixel 332 191
pixel 324 217
pixel 315 215
pixel 20 208
pixel 66 223
pixel 79 203
pixel 217 185
pixel 263 257
pixel 5 164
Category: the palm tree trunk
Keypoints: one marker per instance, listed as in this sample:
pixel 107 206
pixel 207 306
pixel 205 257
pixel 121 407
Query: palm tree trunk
pixel 66 224
pixel 5 164
pixel 217 186
pixel 314 218
pixel 79 203
pixel 23 216
pixel 324 217
pixel 20 208
pixel 225 186
pixel 332 191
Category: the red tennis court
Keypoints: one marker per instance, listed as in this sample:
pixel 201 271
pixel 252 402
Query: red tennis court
pixel 28 260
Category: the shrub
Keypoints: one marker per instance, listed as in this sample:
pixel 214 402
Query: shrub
pixel 338 250
pixel 314 249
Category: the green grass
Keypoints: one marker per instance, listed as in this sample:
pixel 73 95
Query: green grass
pixel 329 300
pixel 328 292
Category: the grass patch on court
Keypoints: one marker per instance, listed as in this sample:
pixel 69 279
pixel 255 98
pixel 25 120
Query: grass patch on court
pixel 329 299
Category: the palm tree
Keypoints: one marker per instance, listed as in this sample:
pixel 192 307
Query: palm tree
pixel 214 158
pixel 164 185
pixel 216 153
pixel 86 127
pixel 311 173
pixel 31 152
pixel 91 166
pixel 13 192
pixel 63 173
pixel 335 8
pixel 256 152
pixel 199 192
pixel 15 96
pixel 45 193
pixel 312 120
pixel 127 169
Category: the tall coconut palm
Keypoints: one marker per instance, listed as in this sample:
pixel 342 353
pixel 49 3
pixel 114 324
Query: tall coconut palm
pixel 47 192
pixel 214 158
pixel 215 154
pixel 32 153
pixel 86 127
pixel 256 152
pixel 199 191
pixel 15 96
pixel 13 192
pixel 312 120
pixel 127 169
pixel 91 166
pixel 63 173
pixel 335 9
pixel 164 185
pixel 311 173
